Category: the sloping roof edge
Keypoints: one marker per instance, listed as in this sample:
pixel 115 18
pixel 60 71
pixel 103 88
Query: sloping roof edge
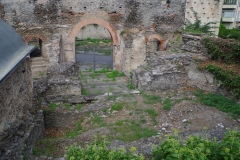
pixel 13 50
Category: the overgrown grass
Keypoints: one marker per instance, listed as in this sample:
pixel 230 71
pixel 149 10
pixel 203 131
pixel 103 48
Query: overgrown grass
pixel 129 131
pixel 151 99
pixel 219 101
pixel 49 148
pixel 113 74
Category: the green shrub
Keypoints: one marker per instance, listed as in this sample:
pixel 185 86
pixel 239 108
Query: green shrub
pixel 197 148
pixel 228 79
pixel 99 151
pixel 223 49
pixel 228 33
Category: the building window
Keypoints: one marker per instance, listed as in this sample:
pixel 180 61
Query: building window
pixel 228 13
pixel 230 2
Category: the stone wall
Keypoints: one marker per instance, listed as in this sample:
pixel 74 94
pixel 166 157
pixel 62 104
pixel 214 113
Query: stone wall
pixel 19 122
pixel 170 72
pixel 46 19
pixel 93 31
pixel 193 44
pixel 207 11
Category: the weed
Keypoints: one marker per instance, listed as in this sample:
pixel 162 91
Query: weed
pixel 139 111
pixel 53 105
pixel 167 104
pixel 111 89
pixel 66 105
pixel 151 99
pixel 119 123
pixel 130 86
pixel 97 120
pixel 36 151
pixel 117 106
pixel 104 110
pixel 152 113
pixel 112 97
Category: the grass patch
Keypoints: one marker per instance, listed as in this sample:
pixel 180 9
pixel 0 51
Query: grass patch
pixel 117 106
pixel 53 105
pixel 151 99
pixel 152 113
pixel 113 74
pixel 167 104
pixel 219 101
pixel 76 132
pixel 98 121
pixel 131 131
pixel 79 106
pixel 46 146
pixel 130 86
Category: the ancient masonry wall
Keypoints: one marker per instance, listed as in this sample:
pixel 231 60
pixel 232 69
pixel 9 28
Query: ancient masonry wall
pixel 19 123
pixel 59 22
pixel 207 11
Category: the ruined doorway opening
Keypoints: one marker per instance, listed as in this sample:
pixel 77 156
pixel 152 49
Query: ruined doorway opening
pixel 37 42
pixel 153 45
pixel 93 48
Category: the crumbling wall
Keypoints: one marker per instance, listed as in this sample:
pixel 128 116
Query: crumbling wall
pixel 169 72
pixel 50 18
pixel 19 123
pixel 193 44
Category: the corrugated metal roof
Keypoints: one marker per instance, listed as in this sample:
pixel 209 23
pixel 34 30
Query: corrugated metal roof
pixel 13 50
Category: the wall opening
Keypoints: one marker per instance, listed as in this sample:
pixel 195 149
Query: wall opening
pixel 93 48
pixel 153 45
pixel 86 25
pixel 38 44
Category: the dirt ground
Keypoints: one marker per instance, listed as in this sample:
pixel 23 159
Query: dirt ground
pixel 131 117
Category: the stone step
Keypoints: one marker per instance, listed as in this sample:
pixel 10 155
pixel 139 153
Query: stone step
pixel 39 66
pixel 34 59
pixel 38 62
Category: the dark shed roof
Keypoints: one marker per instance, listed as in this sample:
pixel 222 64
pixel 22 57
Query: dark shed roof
pixel 13 50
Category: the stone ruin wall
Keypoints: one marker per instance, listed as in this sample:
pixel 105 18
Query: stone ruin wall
pixel 20 126
pixel 55 20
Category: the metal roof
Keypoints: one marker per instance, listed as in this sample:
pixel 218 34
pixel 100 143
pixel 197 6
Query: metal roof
pixel 13 50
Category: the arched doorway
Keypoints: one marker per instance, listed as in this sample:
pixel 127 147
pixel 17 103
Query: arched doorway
pixel 38 60
pixel 93 54
pixel 154 43
pixel 37 41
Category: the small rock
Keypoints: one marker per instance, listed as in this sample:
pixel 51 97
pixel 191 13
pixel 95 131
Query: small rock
pixel 184 120
pixel 135 92
pixel 164 129
pixel 238 120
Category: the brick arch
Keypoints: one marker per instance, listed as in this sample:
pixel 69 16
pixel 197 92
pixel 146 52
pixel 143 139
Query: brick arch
pixel 35 35
pixel 101 22
pixel 157 37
